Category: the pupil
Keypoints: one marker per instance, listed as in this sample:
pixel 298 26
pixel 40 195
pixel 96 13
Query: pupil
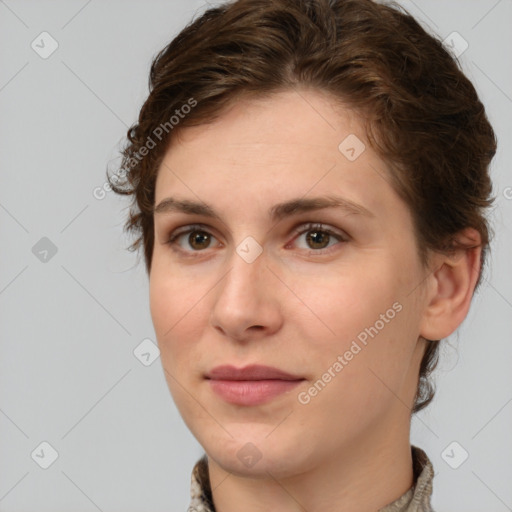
pixel 199 238
pixel 316 237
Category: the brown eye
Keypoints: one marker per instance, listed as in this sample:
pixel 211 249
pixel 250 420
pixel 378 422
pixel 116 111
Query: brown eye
pixel 318 239
pixel 192 240
pixel 199 240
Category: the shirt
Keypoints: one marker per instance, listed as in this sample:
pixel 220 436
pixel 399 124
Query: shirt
pixel 416 499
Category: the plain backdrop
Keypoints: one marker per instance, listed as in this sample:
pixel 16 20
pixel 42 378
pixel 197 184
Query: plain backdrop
pixel 74 303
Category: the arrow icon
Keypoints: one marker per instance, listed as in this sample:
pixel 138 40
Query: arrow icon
pixel 44 455
pixel 44 250
pixel 249 455
pixel 44 45
pixel 351 147
pixel 454 455
pixel 249 249
pixel 146 352
pixel 455 43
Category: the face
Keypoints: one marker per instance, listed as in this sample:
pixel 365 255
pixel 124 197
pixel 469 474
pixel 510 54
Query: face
pixel 251 266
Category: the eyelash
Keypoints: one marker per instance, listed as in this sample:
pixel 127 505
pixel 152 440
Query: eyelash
pixel 304 228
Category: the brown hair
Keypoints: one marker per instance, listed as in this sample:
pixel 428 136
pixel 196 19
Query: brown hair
pixel 423 116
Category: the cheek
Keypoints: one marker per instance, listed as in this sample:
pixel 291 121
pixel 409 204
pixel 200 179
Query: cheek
pixel 339 306
pixel 365 318
pixel 176 311
pixel 175 305
pixel 356 383
pixel 374 372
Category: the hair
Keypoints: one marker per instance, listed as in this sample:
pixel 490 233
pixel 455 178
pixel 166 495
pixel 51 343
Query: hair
pixel 422 115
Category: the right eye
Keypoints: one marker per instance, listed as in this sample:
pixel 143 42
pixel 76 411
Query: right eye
pixel 198 239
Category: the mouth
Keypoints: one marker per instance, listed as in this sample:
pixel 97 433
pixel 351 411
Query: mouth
pixel 251 385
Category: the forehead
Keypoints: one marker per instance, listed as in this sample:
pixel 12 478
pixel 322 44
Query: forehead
pixel 283 145
pixel 302 118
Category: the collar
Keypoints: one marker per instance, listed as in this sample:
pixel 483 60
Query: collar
pixel 416 499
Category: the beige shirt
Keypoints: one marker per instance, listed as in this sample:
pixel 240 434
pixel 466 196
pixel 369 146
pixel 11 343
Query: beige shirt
pixel 416 499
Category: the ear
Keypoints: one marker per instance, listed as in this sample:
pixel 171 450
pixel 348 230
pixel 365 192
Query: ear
pixel 450 287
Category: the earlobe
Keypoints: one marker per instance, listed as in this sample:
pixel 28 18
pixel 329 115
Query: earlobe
pixel 453 282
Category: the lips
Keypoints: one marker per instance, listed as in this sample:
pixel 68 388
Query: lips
pixel 251 385
pixel 252 372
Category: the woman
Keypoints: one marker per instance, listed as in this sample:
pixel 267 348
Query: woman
pixel 310 181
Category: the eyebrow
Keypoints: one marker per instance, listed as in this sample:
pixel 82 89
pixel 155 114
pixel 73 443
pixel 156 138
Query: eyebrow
pixel 276 213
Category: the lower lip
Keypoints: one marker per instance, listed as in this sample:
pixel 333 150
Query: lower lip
pixel 251 392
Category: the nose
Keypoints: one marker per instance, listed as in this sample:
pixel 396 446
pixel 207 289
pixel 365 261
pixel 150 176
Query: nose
pixel 247 304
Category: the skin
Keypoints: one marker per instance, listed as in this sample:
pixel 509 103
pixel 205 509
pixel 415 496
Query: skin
pixel 297 306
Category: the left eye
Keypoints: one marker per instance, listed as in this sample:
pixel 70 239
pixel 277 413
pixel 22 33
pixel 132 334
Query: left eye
pixel 318 237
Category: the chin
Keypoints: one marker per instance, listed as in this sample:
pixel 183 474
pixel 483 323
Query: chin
pixel 253 453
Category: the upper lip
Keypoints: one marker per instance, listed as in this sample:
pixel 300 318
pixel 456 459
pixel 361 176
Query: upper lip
pixel 252 372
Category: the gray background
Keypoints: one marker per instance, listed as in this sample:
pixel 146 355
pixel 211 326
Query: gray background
pixel 70 323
